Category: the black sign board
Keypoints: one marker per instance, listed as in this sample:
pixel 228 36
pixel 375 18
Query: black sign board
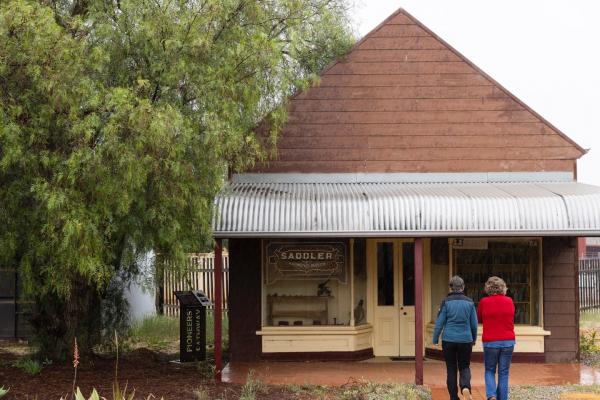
pixel 192 325
pixel 306 261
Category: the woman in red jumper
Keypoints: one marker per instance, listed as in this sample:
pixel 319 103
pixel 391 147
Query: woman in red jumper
pixel 497 314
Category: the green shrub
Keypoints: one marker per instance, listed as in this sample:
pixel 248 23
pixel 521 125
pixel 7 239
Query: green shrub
pixel 251 388
pixel 3 391
pixel 587 342
pixel 375 391
pixel 29 366
pixel 117 395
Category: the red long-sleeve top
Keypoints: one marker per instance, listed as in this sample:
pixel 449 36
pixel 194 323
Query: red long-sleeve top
pixel 497 314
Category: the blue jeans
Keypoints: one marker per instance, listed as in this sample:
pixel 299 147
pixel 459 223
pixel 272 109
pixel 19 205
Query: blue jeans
pixel 499 358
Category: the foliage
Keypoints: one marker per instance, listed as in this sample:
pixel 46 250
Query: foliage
pixel 117 395
pixel 93 396
pixel 587 342
pixel 252 388
pixel 119 120
pixel 3 392
pixel 156 332
pixel 362 390
pixel 161 332
pixel 29 366
pixel 117 392
pixel 375 391
pixel 201 394
pixel 550 392
pixel 589 319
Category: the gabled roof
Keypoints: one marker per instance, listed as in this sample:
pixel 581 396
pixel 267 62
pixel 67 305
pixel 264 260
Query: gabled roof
pixel 404 100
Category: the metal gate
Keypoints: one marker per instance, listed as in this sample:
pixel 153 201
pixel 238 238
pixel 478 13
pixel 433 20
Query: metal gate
pixel 8 303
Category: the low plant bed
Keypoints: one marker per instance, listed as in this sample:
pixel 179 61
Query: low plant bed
pixel 151 373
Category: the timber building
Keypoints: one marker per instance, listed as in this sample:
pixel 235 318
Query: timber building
pixel 405 165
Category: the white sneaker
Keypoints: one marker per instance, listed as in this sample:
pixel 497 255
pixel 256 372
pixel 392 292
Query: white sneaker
pixel 467 394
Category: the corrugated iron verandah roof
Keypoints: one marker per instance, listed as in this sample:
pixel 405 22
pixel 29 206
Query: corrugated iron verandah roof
pixel 260 208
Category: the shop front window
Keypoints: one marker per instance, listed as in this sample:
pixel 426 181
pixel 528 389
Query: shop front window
pixel 307 283
pixel 515 261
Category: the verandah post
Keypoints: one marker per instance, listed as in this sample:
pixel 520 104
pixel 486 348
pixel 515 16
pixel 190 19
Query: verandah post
pixel 419 311
pixel 217 308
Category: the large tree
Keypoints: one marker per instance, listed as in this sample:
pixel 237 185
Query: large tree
pixel 119 120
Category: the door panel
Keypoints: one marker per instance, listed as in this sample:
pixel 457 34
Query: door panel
pixel 407 308
pixel 407 332
pixel 384 259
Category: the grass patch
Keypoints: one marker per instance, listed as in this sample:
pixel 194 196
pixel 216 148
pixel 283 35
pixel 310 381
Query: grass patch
pixel 375 391
pixel 201 394
pixel 589 338
pixel 589 320
pixel 252 388
pixel 29 366
pixel 354 391
pixel 157 332
pixel 549 392
pixel 161 333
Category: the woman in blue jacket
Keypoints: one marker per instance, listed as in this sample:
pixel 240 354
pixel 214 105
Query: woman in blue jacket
pixel 457 318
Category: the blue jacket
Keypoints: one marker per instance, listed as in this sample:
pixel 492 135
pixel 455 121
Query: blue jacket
pixel 457 318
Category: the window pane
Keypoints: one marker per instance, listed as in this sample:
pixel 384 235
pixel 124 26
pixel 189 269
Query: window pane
pixel 306 299
pixel 360 281
pixel 439 273
pixel 385 274
pixel 516 262
pixel 408 273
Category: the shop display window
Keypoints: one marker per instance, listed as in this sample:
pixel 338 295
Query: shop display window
pixel 515 261
pixel 307 283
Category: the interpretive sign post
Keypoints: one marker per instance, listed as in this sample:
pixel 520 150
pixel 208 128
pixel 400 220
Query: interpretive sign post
pixel 192 325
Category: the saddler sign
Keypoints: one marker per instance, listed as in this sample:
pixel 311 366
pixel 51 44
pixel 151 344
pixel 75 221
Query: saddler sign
pixel 306 260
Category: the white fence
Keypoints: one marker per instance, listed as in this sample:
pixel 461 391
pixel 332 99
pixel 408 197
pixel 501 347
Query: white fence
pixel 589 288
pixel 200 277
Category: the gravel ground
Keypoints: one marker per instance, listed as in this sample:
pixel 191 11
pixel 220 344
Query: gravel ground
pixel 548 392
pixel 592 360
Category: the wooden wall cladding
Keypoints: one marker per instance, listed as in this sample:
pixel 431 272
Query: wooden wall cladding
pixel 403 100
pixel 560 299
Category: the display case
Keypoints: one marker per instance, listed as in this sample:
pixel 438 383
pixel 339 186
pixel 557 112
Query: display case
pixel 294 309
pixel 306 283
pixel 516 262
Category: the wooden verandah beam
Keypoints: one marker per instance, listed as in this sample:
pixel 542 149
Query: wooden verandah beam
pixel 217 310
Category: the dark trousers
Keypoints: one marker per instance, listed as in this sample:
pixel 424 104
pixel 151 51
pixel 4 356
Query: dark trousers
pixel 458 360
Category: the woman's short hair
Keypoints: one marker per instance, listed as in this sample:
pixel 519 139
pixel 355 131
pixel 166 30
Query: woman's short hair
pixel 457 284
pixel 495 285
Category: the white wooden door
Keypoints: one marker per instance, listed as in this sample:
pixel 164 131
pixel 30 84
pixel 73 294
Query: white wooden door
pixel 384 283
pixel 407 300
pixel 392 289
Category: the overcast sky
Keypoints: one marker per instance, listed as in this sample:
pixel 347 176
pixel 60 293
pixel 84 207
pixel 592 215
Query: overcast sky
pixel 546 52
